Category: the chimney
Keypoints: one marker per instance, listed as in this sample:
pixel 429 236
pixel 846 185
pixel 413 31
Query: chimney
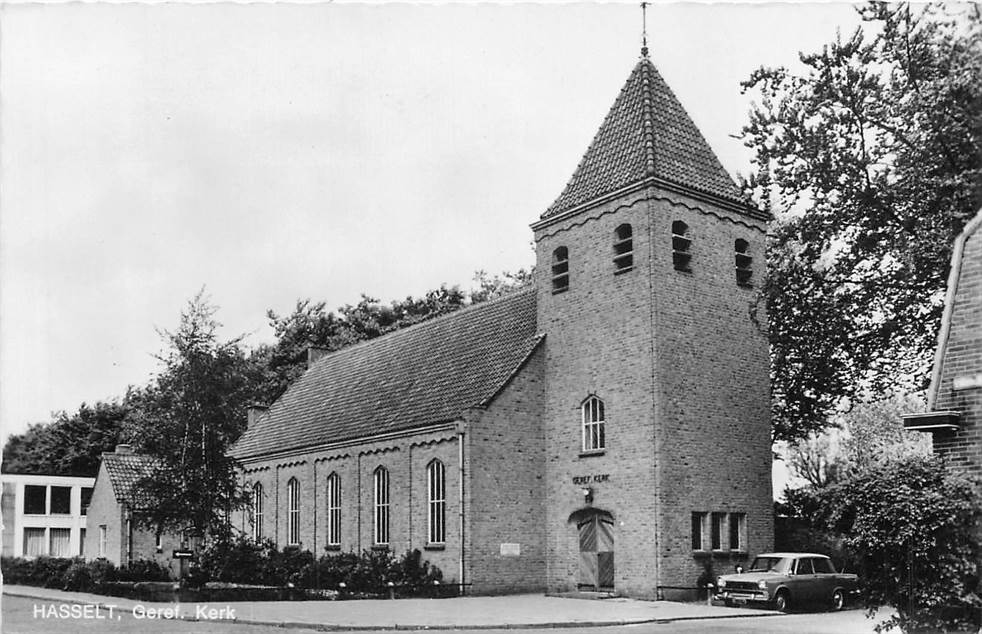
pixel 314 353
pixel 253 412
pixel 124 450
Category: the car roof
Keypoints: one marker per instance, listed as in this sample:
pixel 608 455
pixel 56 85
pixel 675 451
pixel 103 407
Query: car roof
pixel 782 555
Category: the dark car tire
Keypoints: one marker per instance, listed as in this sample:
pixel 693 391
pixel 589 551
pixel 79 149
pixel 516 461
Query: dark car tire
pixel 838 600
pixel 782 601
pixel 728 603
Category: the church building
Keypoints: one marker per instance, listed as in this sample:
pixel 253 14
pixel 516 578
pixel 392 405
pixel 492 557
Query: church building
pixel 606 428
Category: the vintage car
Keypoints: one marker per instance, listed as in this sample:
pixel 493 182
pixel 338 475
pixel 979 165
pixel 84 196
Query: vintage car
pixel 783 579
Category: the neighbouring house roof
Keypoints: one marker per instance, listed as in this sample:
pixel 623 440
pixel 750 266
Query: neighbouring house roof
pixel 954 278
pixel 124 471
pixel 648 134
pixel 422 375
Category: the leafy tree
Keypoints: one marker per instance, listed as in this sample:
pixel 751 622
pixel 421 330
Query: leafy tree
pixel 71 444
pixel 194 409
pixel 870 157
pixel 491 287
pixel 912 524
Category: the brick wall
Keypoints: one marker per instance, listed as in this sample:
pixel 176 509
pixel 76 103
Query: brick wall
pixel 713 369
pixel 104 510
pixel 962 357
pixel 683 373
pixel 504 464
pixel 405 457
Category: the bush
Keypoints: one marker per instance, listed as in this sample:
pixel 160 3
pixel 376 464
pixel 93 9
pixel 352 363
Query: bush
pixel 913 523
pixel 143 570
pixel 47 572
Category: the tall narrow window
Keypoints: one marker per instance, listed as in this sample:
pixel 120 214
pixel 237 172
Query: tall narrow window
pixel 81 542
pixel 623 249
pixel 257 511
pixel 293 516
pixel 744 263
pixel 719 521
pixel 560 270
pixel 437 502
pixel 103 540
pixel 681 246
pixel 381 506
pixel 699 530
pixel 593 425
pixel 334 510
pixel 738 528
pixel 86 499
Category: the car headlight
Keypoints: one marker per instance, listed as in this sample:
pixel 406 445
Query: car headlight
pixel 721 583
pixel 762 584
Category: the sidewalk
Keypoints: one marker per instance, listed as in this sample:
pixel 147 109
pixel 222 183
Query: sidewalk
pixel 527 611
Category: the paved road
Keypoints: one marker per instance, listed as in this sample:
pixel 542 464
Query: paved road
pixel 26 616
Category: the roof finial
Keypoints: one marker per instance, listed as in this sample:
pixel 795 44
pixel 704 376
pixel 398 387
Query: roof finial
pixel 644 30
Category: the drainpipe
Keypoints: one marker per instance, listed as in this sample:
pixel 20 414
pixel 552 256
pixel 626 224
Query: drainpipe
pixel 460 500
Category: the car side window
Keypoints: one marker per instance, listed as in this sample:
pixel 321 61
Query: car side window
pixel 804 567
pixel 823 566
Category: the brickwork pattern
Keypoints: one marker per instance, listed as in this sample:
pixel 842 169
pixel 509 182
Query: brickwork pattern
pixel 683 372
pixel 963 357
pixel 504 463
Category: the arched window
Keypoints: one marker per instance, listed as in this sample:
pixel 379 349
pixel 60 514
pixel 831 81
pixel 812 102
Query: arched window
pixel 594 437
pixel 560 270
pixel 334 510
pixel 623 249
pixel 257 511
pixel 744 263
pixel 293 515
pixel 436 475
pixel 680 246
pixel 381 506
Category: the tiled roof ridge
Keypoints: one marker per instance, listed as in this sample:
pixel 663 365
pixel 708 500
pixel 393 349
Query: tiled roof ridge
pixel 648 136
pixel 394 335
pixel 417 327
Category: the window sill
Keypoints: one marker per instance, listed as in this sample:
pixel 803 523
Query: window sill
pixel 624 270
pixel 750 286
pixel 380 547
pixel 557 291
pixel 685 270
pixel 333 547
pixel 435 547
pixel 592 453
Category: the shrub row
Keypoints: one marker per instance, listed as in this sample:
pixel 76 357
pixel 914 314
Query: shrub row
pixel 241 560
pixel 77 574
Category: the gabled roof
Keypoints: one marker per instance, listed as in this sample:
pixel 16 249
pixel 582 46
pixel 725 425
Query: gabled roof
pixel 648 134
pixel 954 278
pixel 124 471
pixel 422 375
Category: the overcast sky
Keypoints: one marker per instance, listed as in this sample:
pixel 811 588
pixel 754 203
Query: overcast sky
pixel 276 152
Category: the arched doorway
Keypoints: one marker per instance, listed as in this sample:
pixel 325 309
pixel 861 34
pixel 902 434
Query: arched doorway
pixel 595 531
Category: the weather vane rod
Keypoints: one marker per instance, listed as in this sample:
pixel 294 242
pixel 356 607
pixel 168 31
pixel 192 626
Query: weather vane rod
pixel 644 29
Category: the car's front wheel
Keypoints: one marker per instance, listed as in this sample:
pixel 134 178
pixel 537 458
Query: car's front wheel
pixel 782 602
pixel 838 600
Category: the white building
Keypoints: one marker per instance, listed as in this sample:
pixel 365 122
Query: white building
pixel 44 514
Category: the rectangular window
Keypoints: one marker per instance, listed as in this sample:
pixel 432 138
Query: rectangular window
pixel 699 531
pixel 34 542
pixel 381 506
pixel 719 521
pixel 60 542
pixel 738 529
pixel 257 512
pixel 81 542
pixel 35 500
pixel 103 540
pixel 293 532
pixel 61 500
pixel 437 502
pixel 159 543
pixel 334 510
pixel 86 499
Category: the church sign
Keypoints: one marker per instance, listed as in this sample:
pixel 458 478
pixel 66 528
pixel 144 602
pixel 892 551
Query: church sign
pixel 590 479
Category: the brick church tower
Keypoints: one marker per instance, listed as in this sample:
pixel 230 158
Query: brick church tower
pixel 656 414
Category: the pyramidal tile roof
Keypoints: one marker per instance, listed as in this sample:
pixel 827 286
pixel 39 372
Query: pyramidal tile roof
pixel 422 375
pixel 124 471
pixel 647 133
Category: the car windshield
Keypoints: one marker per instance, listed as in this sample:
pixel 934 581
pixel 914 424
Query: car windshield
pixel 769 564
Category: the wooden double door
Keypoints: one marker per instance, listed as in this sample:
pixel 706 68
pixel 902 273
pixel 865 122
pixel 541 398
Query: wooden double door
pixel 596 552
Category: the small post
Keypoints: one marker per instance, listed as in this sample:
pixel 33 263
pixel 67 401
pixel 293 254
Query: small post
pixel 392 590
pixel 709 593
pixel 341 588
